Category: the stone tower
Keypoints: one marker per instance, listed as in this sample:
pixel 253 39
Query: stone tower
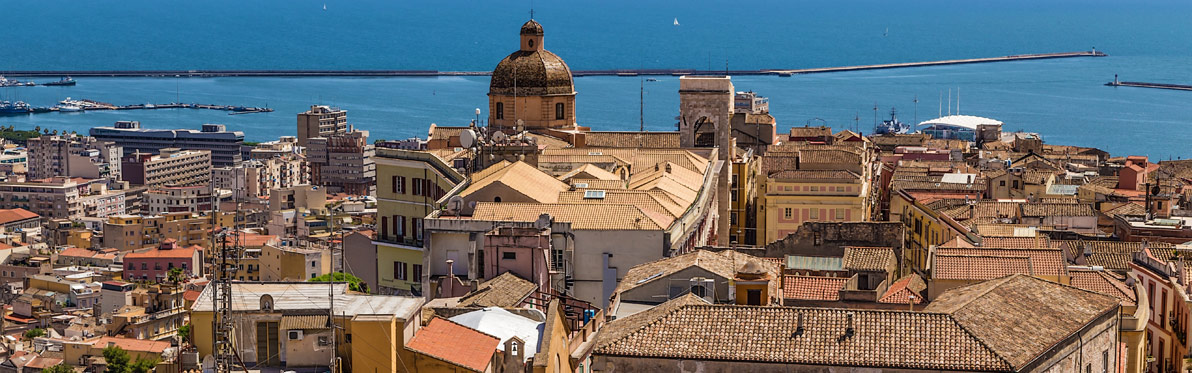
pixel 705 109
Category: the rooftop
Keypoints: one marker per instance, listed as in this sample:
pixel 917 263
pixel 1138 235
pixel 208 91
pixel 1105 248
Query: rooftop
pixel 454 343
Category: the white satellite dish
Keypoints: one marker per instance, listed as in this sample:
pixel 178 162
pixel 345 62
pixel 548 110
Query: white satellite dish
pixel 455 204
pixel 431 132
pixel 520 125
pixel 500 137
pixel 467 138
pixel 543 221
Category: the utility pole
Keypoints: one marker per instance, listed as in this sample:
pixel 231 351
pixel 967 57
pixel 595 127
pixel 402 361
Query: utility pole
pixel 874 115
pixel 916 110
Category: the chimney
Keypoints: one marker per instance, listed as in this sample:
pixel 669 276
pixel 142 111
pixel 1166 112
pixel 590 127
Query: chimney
pixel 798 327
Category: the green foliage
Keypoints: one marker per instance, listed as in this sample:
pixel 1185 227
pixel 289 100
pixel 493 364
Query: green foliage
pixel 184 332
pixel 34 333
pixel 251 143
pixel 354 283
pixel 18 136
pixel 175 275
pixel 142 366
pixel 117 359
pixel 60 368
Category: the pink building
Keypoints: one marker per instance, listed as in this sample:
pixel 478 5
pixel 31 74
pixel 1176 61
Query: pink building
pixel 154 265
pixel 523 251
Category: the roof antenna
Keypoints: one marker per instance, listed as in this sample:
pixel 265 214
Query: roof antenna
pixel 957 100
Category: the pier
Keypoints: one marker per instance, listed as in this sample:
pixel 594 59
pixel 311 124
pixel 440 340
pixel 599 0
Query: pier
pixel 1179 87
pixel 92 105
pixel 615 72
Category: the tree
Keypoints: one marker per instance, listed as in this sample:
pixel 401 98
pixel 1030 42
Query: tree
pixel 354 283
pixel 34 333
pixel 175 275
pixel 184 332
pixel 60 368
pixel 142 366
pixel 117 359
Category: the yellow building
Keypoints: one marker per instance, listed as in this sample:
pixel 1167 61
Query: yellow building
pixel 924 225
pixel 743 206
pixel 286 263
pixel 131 232
pixel 409 185
pixel 797 196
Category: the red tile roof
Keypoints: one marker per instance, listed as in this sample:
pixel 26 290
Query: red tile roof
pixel 130 344
pixel 455 343
pixel 812 287
pixel 159 253
pixel 980 268
pixel 191 295
pixel 1043 261
pixel 79 252
pixel 900 291
pixel 252 239
pixel 17 214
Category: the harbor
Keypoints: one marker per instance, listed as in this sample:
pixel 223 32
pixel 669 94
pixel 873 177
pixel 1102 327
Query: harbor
pixel 578 73
pixel 1178 87
pixel 81 105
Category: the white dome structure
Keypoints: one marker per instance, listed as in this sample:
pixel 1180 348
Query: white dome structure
pixel 955 127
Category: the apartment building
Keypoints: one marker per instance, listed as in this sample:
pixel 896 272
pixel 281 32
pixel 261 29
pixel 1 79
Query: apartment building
pixel 172 167
pixel 131 232
pixel 344 163
pixel 193 199
pixel 254 178
pixel 321 121
pixel 223 145
pixel 286 263
pixel 62 198
pixel 72 156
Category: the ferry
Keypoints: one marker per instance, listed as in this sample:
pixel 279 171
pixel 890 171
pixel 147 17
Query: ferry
pixel 892 126
pixel 65 81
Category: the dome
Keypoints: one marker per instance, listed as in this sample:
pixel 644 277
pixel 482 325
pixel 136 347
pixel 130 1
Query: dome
pixel 531 27
pixel 534 70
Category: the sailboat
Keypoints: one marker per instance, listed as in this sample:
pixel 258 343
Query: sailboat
pixel 887 33
pixel 676 21
pixel 324 6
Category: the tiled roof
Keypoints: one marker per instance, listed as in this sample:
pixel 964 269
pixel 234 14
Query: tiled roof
pixel 1057 209
pixel 689 329
pixel 1105 283
pixel 663 140
pixel 834 175
pixel 811 131
pixel 17 214
pixel 978 267
pixel 597 184
pixel 589 171
pixel 777 162
pixel 723 264
pixel 1044 261
pixel 1021 317
pixel 901 291
pixel 828 156
pixel 812 287
pixel 1114 255
pixel 1128 209
pixel 1016 242
pixel 78 252
pixel 523 178
pixel 642 199
pixel 868 258
pixel 130 344
pixel 455 343
pixel 181 253
pixel 505 290
pixel 253 239
pixel 901 139
pixel 291 322
pixel 688 177
pixel 989 230
pixel 582 216
pixel 445 132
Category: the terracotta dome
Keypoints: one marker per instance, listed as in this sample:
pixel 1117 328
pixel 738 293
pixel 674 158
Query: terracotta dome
pixel 535 71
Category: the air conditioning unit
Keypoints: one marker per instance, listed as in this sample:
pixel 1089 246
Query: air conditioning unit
pixel 295 335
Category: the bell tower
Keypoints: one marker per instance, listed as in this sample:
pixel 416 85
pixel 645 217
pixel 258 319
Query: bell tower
pixel 531 36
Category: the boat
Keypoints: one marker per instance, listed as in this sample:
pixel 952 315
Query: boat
pixel 5 82
pixel 150 106
pixel 65 81
pixel 68 108
pixel 14 108
pixel 676 21
pixel 892 126
pixel 324 6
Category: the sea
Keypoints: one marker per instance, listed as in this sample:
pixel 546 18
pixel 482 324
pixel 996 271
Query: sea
pixel 1064 100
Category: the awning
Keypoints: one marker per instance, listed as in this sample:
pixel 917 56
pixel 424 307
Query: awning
pixel 293 322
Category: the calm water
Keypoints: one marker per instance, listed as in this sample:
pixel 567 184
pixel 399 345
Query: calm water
pixel 1062 99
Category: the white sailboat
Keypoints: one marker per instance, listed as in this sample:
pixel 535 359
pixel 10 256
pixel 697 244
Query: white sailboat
pixel 676 21
pixel 324 6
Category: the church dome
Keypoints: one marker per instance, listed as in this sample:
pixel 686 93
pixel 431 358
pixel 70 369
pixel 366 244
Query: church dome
pixel 535 71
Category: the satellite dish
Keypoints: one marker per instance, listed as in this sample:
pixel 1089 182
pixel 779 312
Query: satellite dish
pixel 543 221
pixel 428 133
pixel 455 204
pixel 467 138
pixel 500 137
pixel 520 125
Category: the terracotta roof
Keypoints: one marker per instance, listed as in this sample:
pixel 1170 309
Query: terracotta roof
pixel 456 344
pixel 1044 261
pixel 505 290
pixel 523 178
pixel 777 162
pixel 17 214
pixel 978 267
pixel 689 329
pixel 821 131
pixel 191 295
pixel 42 362
pixel 445 132
pixel 597 184
pixel 589 171
pixel 834 175
pixel 582 216
pixel 642 199
pixel 828 156
pixel 1057 209
pixel 1021 317
pixel 78 252
pixel 291 322
pixel 868 258
pixel 130 344
pixel 1115 255
pixel 900 291
pixel 1016 242
pixel 1105 283
pixel 901 139
pixel 990 230
pixel 1128 209
pixel 252 239
pixel 812 287
pixel 723 264
pixel 631 139
pixel 188 252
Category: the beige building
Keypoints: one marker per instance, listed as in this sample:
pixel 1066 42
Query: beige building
pixel 62 198
pixel 73 156
pixel 286 263
pixel 130 232
pixel 343 163
pixel 255 178
pixel 173 167
pixel 163 200
pixel 321 121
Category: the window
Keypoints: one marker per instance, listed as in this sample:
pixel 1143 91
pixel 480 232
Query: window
pixel 417 187
pixel 417 273
pixel 786 213
pixel 399 271
pixel 399 226
pixel 839 214
pixel 815 214
pixel 1015 184
pixel 312 275
pixel 312 264
pixel 1001 183
pixel 509 255
pixel 559 112
pixel 1105 361
pixel 384 227
pixel 732 218
pixel 144 266
pixel 500 110
pixel 417 223
pixel 556 259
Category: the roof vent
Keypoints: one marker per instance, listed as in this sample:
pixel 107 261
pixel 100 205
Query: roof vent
pixel 798 327
pixel 593 194
pixel 848 329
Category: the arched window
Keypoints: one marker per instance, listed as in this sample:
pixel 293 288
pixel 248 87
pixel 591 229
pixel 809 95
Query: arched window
pixel 500 110
pixel 530 43
pixel 699 291
pixel 497 199
pixel 559 112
